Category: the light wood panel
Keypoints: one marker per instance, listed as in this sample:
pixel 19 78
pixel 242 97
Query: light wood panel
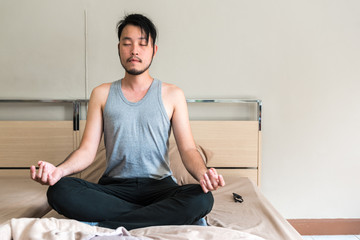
pixel 24 143
pixel 12 173
pixel 227 144
pixel 231 143
pixel 252 174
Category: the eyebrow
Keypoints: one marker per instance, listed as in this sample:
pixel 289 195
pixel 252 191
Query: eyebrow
pixel 141 38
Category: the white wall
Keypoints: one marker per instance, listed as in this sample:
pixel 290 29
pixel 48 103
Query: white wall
pixel 302 58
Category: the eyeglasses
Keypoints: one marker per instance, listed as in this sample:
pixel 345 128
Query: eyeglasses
pixel 237 198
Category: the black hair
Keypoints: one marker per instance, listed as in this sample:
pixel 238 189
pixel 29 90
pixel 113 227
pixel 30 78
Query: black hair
pixel 141 21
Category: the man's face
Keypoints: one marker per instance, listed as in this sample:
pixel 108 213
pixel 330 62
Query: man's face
pixel 135 52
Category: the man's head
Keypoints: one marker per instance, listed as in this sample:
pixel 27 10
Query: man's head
pixel 137 35
pixel 138 20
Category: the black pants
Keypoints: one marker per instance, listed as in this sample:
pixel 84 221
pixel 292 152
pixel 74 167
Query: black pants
pixel 131 203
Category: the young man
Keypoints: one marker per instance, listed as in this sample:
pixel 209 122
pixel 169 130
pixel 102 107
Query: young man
pixel 135 114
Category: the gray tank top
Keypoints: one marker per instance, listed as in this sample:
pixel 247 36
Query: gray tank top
pixel 136 135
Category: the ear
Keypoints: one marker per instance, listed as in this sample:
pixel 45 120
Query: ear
pixel 118 49
pixel 155 50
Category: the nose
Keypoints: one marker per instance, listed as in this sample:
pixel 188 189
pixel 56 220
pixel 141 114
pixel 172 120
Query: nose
pixel 134 51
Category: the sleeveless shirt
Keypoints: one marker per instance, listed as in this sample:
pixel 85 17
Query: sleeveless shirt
pixel 136 134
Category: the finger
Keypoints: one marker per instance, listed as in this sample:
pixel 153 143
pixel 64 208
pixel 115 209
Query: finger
pixel 44 177
pixel 208 183
pixel 40 170
pixel 214 179
pixel 214 172
pixel 221 181
pixel 33 172
pixel 203 186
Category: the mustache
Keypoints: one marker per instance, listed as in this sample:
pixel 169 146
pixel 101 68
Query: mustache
pixel 134 58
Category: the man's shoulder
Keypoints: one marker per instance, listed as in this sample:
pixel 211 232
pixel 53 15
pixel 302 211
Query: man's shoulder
pixel 102 89
pixel 100 93
pixel 103 86
pixel 172 94
pixel 171 89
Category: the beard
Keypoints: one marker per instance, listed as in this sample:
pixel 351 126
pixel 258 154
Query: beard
pixel 136 72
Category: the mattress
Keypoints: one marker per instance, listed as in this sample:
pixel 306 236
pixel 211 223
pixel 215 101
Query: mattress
pixel 254 216
pixel 21 196
pixel 24 201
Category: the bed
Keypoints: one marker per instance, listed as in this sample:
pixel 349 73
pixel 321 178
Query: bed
pixel 232 147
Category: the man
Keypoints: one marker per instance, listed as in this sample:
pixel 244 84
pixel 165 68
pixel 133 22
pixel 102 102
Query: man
pixel 135 114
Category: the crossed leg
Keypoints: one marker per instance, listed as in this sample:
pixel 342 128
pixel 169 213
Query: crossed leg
pixel 131 203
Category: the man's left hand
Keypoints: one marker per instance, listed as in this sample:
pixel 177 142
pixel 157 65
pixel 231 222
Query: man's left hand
pixel 211 180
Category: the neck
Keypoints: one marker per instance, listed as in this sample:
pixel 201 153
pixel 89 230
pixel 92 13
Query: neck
pixel 135 88
pixel 137 82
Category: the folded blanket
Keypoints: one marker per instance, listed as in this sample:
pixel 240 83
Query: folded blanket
pixel 59 229
pixel 66 229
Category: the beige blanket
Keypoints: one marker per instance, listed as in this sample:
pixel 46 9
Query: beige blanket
pixel 254 215
pixel 65 229
pixel 22 197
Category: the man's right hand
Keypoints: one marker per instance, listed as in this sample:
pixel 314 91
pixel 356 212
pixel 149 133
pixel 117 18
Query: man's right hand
pixel 47 173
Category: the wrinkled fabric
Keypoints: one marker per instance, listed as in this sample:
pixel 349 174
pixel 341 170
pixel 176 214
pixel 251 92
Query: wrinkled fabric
pixel 64 229
pixel 59 229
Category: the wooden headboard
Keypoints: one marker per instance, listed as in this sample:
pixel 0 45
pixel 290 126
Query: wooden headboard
pixel 232 147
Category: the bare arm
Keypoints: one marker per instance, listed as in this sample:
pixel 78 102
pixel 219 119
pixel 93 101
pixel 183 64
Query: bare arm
pixel 208 178
pixel 82 157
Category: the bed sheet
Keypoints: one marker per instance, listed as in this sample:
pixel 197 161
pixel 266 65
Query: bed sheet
pixel 254 215
pixel 21 197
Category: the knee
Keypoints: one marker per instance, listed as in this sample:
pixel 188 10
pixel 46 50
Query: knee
pixel 202 204
pixel 59 191
pixel 207 202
